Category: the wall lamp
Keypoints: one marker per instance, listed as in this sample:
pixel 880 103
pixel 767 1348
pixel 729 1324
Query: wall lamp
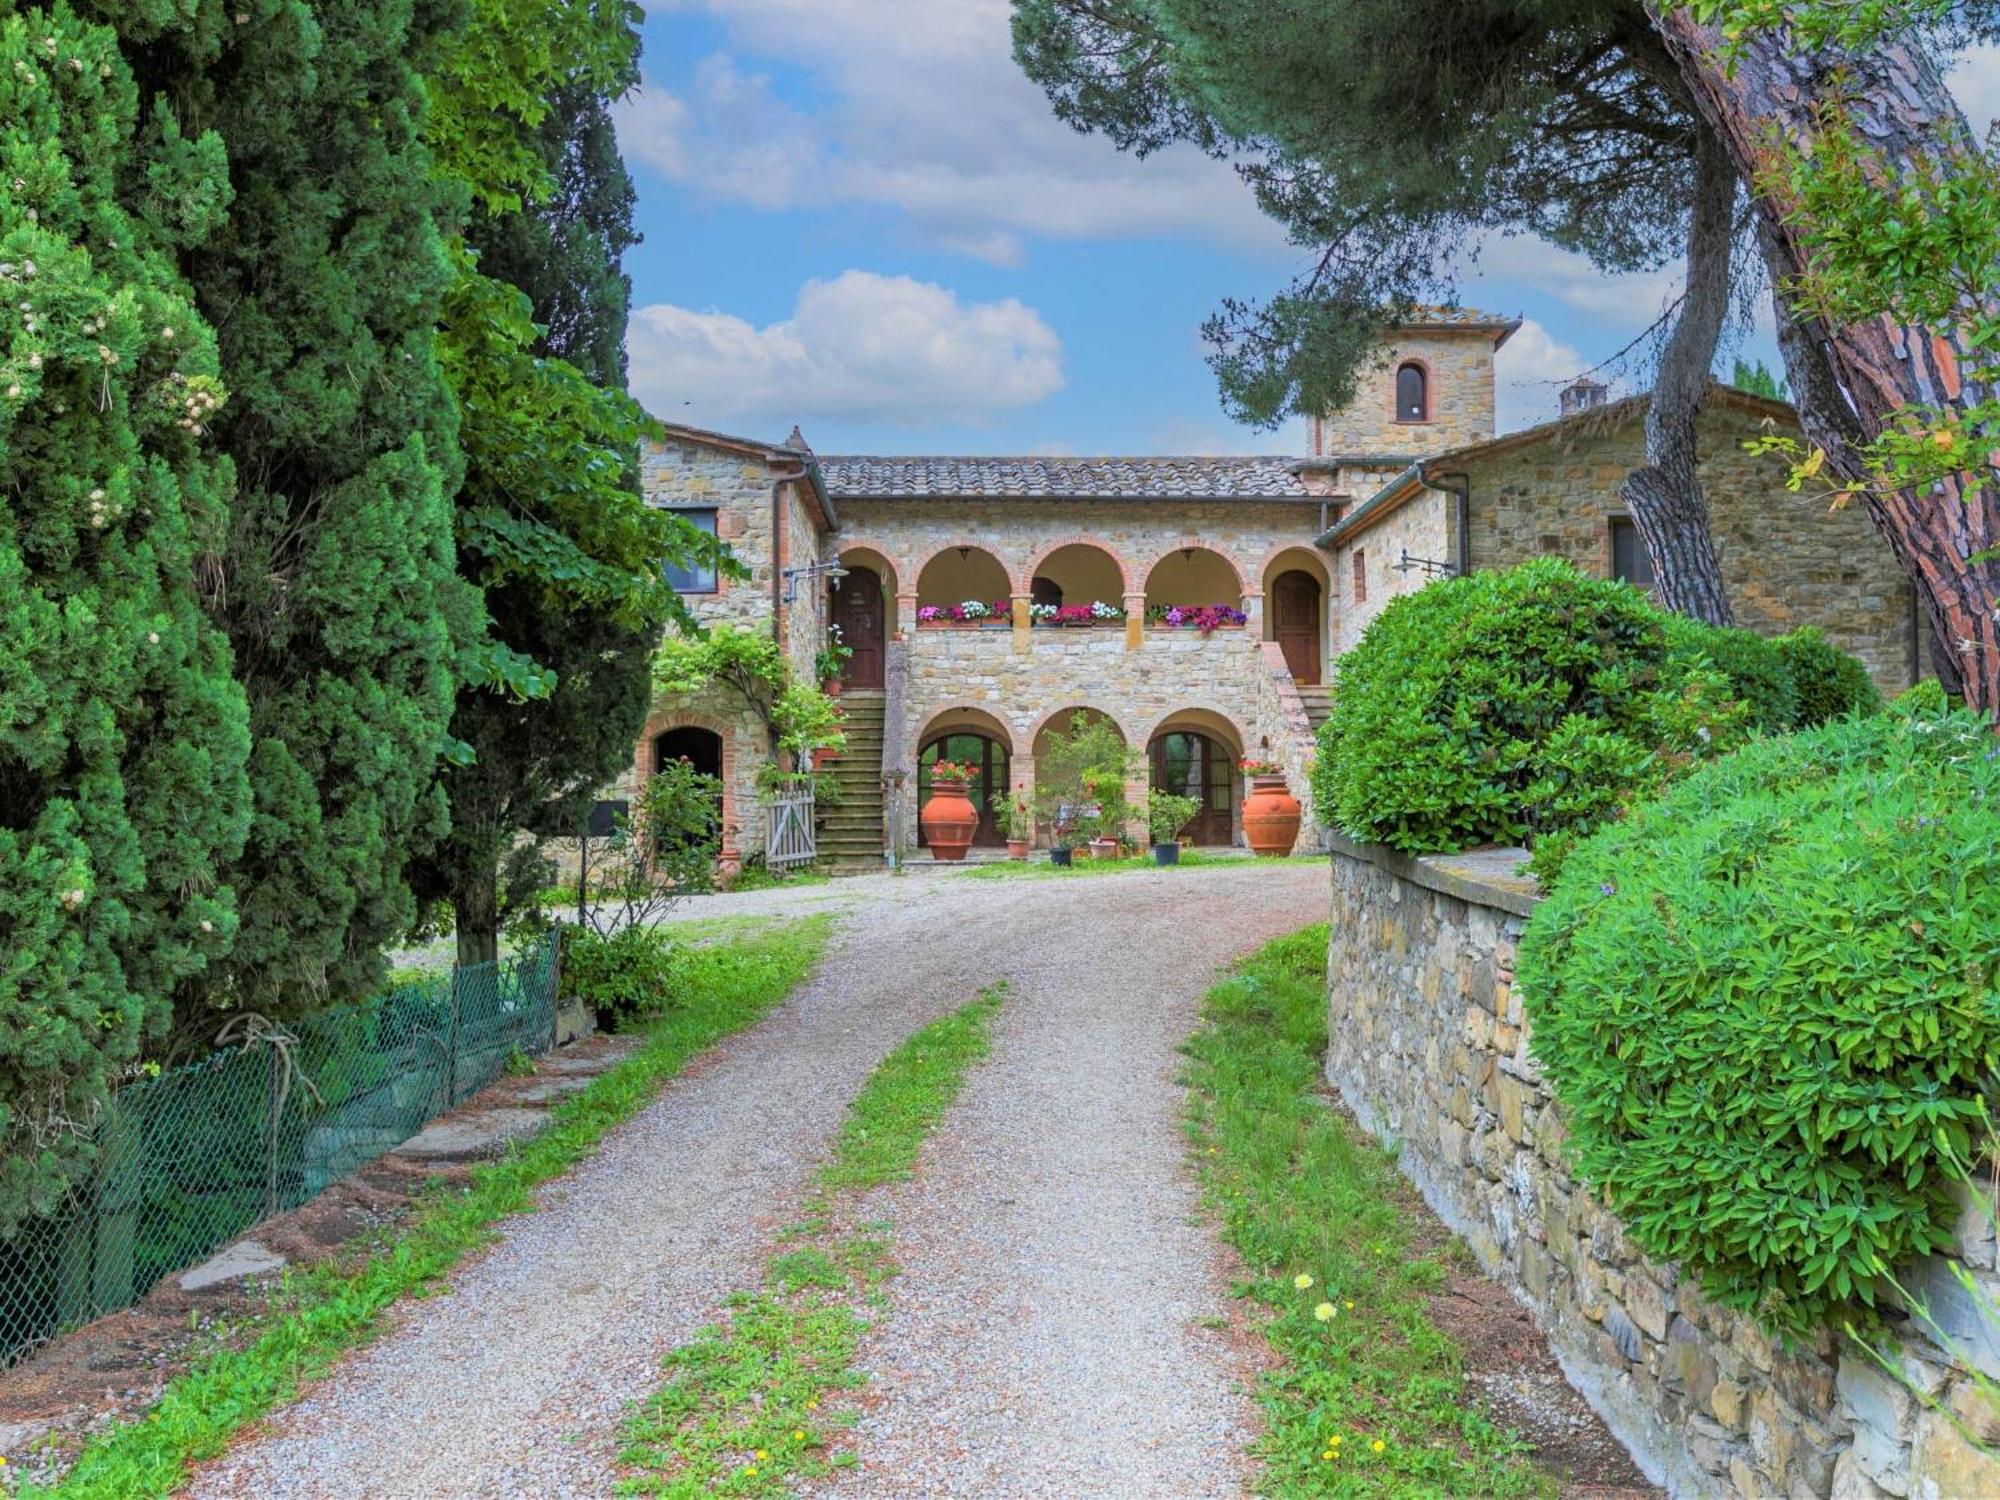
pixel 1430 567
pixel 833 572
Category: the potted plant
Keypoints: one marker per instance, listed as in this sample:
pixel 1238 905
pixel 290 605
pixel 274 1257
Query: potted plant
pixel 1270 811
pixel 1080 784
pixel 948 817
pixel 829 661
pixel 1166 815
pixel 1109 810
pixel 1020 828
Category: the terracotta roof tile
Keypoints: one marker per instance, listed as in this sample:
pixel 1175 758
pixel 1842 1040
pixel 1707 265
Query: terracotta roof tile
pixel 939 477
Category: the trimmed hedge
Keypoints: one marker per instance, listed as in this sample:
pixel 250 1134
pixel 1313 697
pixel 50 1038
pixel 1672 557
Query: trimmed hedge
pixel 1768 1002
pixel 1829 683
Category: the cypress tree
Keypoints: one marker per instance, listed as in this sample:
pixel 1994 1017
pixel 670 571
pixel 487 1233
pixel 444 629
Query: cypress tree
pixel 339 589
pixel 123 738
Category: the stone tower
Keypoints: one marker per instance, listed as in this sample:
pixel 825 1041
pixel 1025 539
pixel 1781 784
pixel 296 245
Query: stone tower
pixel 1432 390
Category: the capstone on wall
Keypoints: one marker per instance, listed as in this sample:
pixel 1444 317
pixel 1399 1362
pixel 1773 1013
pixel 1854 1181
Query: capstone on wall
pixel 1459 364
pixel 1430 1047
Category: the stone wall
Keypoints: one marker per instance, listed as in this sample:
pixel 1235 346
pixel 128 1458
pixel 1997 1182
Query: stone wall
pixel 1431 1049
pixel 1422 527
pixel 1787 559
pixel 1460 367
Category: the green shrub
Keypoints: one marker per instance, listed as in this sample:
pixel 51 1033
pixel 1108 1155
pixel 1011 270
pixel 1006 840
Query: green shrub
pixel 1502 706
pixel 1757 669
pixel 623 977
pixel 1767 1005
pixel 1830 684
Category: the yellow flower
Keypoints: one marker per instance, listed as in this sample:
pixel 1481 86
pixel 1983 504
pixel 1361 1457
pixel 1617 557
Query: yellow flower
pixel 751 1472
pixel 1350 1307
pixel 1334 1441
pixel 813 1405
pixel 799 1436
pixel 760 1455
pixel 1331 1452
pixel 1302 1281
pixel 1378 1445
pixel 1324 1312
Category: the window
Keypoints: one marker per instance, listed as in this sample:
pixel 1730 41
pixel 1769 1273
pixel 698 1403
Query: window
pixel 1629 562
pixel 1413 394
pixel 693 576
pixel 1360 576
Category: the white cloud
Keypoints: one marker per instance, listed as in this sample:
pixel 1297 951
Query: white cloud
pixel 1528 372
pixel 1633 298
pixel 918 106
pixel 1975 79
pixel 862 347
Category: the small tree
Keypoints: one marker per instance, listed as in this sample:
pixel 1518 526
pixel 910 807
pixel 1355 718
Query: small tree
pixel 663 849
pixel 1080 780
pixel 1167 813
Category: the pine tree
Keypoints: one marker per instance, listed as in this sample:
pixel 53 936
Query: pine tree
pixel 123 738
pixel 338 588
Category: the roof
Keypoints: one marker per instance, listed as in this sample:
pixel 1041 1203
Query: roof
pixel 1426 316
pixel 974 478
pixel 792 450
pixel 1593 421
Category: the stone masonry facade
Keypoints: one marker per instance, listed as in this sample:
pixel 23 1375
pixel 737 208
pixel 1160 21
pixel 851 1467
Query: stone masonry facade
pixel 1457 361
pixel 1431 1050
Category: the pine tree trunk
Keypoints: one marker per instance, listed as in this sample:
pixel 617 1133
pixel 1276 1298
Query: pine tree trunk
pixel 1665 494
pixel 476 906
pixel 1886 363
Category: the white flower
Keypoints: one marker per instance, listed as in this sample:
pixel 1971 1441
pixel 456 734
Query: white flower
pixel 72 899
pixel 34 361
pixel 167 334
pixel 97 494
pixel 14 392
pixel 206 925
pixel 152 637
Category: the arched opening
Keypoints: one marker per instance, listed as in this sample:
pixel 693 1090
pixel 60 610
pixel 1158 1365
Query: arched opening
pixel 1078 584
pixel 963 583
pixel 1062 768
pixel 981 742
pixel 1194 754
pixel 1413 393
pixel 1295 595
pixel 1194 588
pixel 863 614
pixel 700 748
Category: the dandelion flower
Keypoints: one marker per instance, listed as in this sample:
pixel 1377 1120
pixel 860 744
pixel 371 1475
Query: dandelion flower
pixel 1302 1281
pixel 1324 1312
pixel 799 1436
pixel 1378 1445
pixel 1350 1305
pixel 760 1455
pixel 750 1472
pixel 1334 1441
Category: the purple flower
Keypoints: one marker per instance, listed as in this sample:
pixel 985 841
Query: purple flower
pixel 1608 888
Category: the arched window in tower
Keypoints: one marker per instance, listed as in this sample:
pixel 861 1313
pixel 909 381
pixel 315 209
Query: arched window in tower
pixel 1413 394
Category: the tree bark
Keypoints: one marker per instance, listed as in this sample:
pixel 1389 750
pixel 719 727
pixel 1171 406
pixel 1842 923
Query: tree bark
pixel 476 909
pixel 1664 494
pixel 1902 111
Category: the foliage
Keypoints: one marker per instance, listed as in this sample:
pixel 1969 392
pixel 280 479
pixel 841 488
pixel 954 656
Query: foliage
pixel 123 738
pixel 335 1306
pixel 1389 138
pixel 1829 683
pixel 1076 769
pixel 1300 1192
pixel 829 660
pixel 1207 618
pixel 799 716
pixel 951 770
pixel 1167 813
pixel 625 977
pixel 1758 380
pixel 1766 1004
pixel 1526 704
pixel 1020 820
pixel 663 848
pixel 740 1413
pixel 1753 664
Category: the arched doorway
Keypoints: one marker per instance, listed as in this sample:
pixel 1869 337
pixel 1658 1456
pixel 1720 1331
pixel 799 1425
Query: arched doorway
pixel 1295 622
pixel 1189 763
pixel 859 615
pixel 992 765
pixel 700 748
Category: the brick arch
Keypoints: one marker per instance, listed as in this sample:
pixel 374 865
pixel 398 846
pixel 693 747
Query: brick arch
pixel 1198 544
pixel 1429 370
pixel 1304 546
pixel 730 856
pixel 918 564
pixel 1206 720
pixel 1024 580
pixel 965 717
pixel 896 561
pixel 1048 718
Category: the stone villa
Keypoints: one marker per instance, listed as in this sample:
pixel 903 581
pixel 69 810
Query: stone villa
pixel 987 599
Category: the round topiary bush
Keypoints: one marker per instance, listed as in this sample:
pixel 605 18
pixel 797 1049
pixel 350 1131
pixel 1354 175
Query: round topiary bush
pixel 1504 706
pixel 1768 1002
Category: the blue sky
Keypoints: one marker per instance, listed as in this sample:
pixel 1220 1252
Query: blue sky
pixel 860 217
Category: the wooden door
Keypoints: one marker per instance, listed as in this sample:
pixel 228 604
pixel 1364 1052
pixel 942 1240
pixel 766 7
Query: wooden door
pixel 1295 615
pixel 858 611
pixel 1190 764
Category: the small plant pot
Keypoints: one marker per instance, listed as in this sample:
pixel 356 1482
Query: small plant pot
pixel 831 687
pixel 1060 858
pixel 1166 854
pixel 1104 848
pixel 1017 848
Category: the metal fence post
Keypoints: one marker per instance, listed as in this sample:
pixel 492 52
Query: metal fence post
pixel 273 1103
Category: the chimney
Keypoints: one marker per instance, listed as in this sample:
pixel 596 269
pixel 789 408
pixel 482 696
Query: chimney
pixel 1582 394
pixel 798 440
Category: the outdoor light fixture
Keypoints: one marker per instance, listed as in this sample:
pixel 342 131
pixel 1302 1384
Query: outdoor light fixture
pixel 1430 567
pixel 832 572
pixel 962 551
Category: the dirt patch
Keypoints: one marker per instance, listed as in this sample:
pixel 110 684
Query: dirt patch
pixel 116 1367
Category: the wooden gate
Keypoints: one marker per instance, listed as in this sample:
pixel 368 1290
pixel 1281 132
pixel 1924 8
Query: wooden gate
pixel 788 831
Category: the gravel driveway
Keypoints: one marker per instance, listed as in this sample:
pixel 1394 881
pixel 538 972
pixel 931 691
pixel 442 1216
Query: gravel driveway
pixel 1045 1336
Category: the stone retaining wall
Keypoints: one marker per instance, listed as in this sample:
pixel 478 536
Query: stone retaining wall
pixel 1431 1050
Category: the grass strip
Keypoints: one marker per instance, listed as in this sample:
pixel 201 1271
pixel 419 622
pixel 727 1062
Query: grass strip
pixel 1367 1398
pixel 326 1311
pixel 740 1413
pixel 1042 869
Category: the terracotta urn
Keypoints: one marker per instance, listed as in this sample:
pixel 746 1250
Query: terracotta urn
pixel 1017 848
pixel 1270 815
pixel 831 687
pixel 1104 848
pixel 949 819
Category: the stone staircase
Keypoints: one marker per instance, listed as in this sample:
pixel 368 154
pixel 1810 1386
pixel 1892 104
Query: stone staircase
pixel 1318 701
pixel 850 837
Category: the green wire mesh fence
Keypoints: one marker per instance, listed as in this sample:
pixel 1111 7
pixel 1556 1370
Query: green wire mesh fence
pixel 190 1158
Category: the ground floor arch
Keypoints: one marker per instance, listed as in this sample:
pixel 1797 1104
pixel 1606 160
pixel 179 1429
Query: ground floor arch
pixel 981 742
